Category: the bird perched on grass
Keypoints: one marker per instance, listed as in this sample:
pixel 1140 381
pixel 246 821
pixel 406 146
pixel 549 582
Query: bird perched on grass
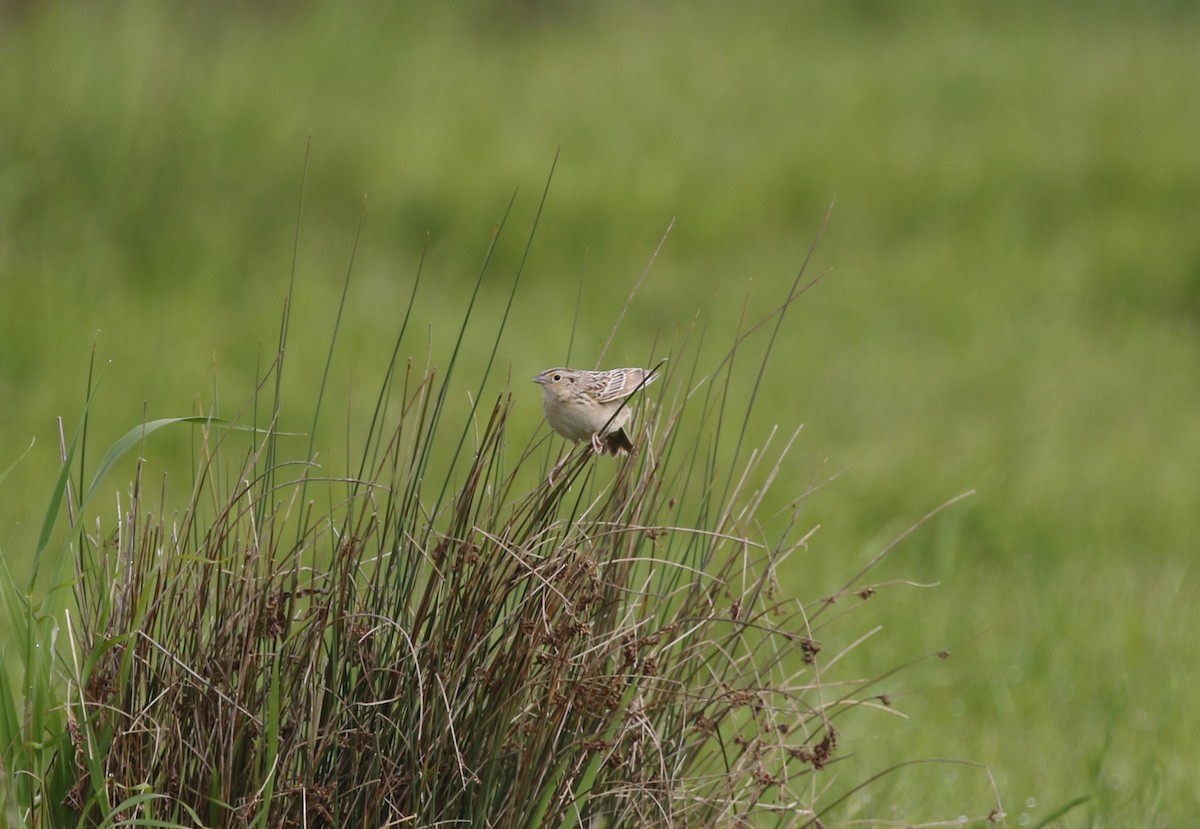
pixel 591 405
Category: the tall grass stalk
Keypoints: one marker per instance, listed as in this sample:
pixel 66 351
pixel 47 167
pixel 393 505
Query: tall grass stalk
pixel 477 646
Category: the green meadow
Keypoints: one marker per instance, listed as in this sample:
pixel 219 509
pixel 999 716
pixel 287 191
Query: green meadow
pixel 1003 208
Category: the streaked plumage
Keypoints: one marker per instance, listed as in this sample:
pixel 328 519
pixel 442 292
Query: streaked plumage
pixel 590 405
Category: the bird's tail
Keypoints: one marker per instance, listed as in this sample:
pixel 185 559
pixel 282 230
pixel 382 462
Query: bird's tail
pixel 617 443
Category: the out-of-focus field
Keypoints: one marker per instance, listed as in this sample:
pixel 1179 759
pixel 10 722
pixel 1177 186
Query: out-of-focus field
pixel 1011 305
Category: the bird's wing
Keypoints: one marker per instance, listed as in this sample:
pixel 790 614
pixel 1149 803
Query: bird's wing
pixel 620 383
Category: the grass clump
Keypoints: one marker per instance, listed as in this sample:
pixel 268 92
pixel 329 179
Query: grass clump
pixel 431 642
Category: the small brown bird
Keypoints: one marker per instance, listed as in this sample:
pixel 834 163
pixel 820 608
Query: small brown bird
pixel 590 405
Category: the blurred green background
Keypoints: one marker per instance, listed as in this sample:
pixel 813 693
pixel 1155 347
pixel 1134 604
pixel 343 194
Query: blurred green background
pixel 1012 298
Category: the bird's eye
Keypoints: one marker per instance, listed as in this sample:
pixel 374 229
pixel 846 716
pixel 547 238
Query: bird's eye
pixel 557 377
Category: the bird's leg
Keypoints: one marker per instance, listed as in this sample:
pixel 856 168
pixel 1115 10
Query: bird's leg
pixel 597 444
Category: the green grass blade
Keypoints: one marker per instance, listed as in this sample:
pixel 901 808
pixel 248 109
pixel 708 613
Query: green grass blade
pixel 136 436
pixel 13 465
pixel 56 500
pixel 1062 810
